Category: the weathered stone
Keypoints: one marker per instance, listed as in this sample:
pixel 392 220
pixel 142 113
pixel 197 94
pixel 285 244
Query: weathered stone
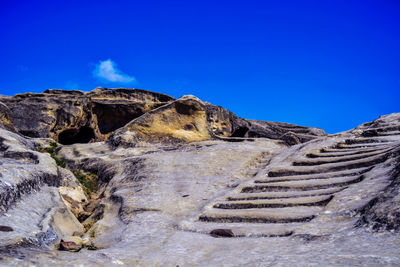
pixel 70 246
pixel 5 117
pixel 79 117
pixel 92 205
pixel 30 201
pixel 224 123
pixel 83 215
pixel 168 179
pixel 291 134
pixel 183 120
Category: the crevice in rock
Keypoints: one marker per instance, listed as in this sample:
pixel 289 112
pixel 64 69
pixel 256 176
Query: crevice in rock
pixel 89 206
pixel 87 212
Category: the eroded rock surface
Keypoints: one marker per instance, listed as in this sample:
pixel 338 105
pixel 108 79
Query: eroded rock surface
pixel 79 117
pixel 183 120
pixel 30 200
pixel 184 172
pixel 5 117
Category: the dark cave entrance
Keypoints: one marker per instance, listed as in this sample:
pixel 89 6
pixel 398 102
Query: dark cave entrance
pixel 73 136
pixel 240 132
pixel 112 117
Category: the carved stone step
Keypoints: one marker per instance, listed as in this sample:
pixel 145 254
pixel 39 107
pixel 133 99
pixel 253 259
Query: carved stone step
pixel 326 175
pixel 393 133
pixel 380 131
pixel 332 152
pixel 304 185
pixel 326 160
pixel 352 150
pixel 371 140
pixel 330 167
pixel 242 229
pixel 358 146
pixel 283 195
pixel 274 203
pixel 265 215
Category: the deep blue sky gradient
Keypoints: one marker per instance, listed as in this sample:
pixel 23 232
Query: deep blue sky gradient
pixel 328 64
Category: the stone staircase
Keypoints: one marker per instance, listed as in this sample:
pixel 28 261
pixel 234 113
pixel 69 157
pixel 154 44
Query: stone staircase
pixel 286 197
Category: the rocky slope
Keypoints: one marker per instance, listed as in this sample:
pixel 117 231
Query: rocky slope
pixel 141 178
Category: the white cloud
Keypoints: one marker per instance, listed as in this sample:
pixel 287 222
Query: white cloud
pixel 107 70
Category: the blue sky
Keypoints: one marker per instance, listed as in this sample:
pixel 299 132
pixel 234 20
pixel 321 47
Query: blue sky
pixel 328 64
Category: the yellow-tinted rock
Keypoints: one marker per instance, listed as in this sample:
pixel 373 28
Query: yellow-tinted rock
pixel 79 117
pixel 184 120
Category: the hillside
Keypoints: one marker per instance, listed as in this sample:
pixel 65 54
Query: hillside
pixel 129 176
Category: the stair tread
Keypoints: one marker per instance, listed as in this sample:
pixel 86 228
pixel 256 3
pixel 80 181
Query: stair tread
pixel 383 129
pixel 310 200
pixel 351 150
pixel 327 160
pixel 325 175
pixel 285 194
pixel 272 214
pixel 358 146
pixel 340 152
pixel 392 133
pixel 372 140
pixel 273 181
pixel 242 229
pixel 329 167
pixel 311 182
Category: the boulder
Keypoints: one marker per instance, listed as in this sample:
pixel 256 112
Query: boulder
pixel 183 120
pixel 70 246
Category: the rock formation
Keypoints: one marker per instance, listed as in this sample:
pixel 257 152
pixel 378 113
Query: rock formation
pixel 128 176
pixel 79 117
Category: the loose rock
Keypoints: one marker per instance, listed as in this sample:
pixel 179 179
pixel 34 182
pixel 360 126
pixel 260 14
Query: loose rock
pixel 70 246
pixel 222 233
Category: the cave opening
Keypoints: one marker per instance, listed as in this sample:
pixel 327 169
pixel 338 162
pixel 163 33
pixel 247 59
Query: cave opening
pixel 112 117
pixel 73 136
pixel 240 132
